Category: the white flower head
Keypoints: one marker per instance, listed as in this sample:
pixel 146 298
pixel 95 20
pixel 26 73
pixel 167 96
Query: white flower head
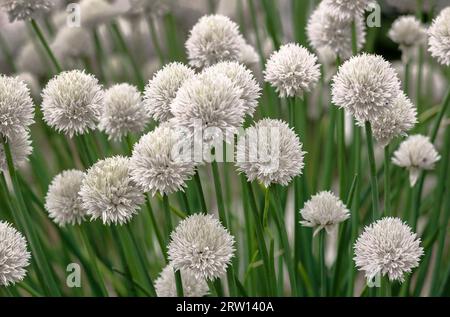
pixel 416 153
pixel 439 37
pixel 201 244
pixel 249 56
pixel 14 256
pixel 20 146
pixel 109 193
pixel 243 79
pixel 158 164
pixel 192 286
pixel 71 102
pixel 123 112
pixel 408 32
pixel 270 152
pixel 292 70
pixel 324 28
pixel 163 87
pixel 25 9
pixel 366 86
pixel 324 211
pixel 214 38
pixel 16 106
pixel 62 200
pixel 72 42
pixel 210 102
pixel 396 122
pixel 387 247
pixel 96 12
pixel 348 9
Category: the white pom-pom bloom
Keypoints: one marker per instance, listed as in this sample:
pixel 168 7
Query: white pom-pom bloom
pixel 416 153
pixel 212 103
pixel 123 112
pixel 325 29
pixel 396 122
pixel 71 102
pixel 270 152
pixel 96 12
pixel 366 86
pixel 72 42
pixel 292 70
pixel 158 164
pixel 201 244
pixel 14 256
pixel 62 200
pixel 324 210
pixel 387 247
pixel 25 9
pixel 192 286
pixel 162 89
pixel 243 79
pixel 249 56
pixel 20 146
pixel 16 106
pixel 213 39
pixel 408 32
pixel 439 37
pixel 348 9
pixel 109 193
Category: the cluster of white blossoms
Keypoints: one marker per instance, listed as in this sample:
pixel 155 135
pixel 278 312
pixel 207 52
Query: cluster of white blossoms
pixel 14 256
pixel 26 9
pixel 193 286
pixel 71 102
pixel 108 192
pixel 72 42
pixel 387 247
pixel 63 201
pixel 20 145
pixel 213 39
pixel 416 153
pixel 292 70
pixel 97 12
pixel 122 112
pixel 409 33
pixel 270 152
pixel 324 211
pixel 348 9
pixel 327 28
pixel 201 245
pixel 439 37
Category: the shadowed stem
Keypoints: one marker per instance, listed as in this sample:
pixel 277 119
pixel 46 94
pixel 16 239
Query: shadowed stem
pixel 201 196
pixel 387 183
pixel 323 273
pixel 373 171
pixel 44 43
pixel 178 283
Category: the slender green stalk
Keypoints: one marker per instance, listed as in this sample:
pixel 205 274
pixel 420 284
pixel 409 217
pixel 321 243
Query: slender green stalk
pixel 155 41
pixel 373 171
pixel 323 272
pixel 99 55
pixel 44 43
pixel 354 38
pixel 167 214
pixel 445 106
pixel 328 155
pixel 407 66
pixel 387 183
pixel 340 135
pixel 178 283
pixel 201 196
pixel 158 234
pixel 7 53
pixel 419 80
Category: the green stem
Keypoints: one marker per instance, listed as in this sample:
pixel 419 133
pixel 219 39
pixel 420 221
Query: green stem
pixel 387 183
pixel 158 234
pixel 7 53
pixel 354 38
pixel 167 214
pixel 323 273
pixel 155 41
pixel 201 196
pixel 179 283
pixel 373 171
pixel 47 48
pixel 340 134
pixel 406 75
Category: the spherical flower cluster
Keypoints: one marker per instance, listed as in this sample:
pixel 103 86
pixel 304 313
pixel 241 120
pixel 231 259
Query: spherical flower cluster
pixel 202 245
pixel 348 9
pixel 71 102
pixel 72 42
pixel 62 201
pixel 292 70
pixel 96 12
pixel 324 210
pixel 213 39
pixel 16 106
pixel 325 29
pixel 192 286
pixel 366 86
pixel 387 247
pixel 396 122
pixel 109 193
pixel 439 37
pixel 243 79
pixel 212 103
pixel 408 32
pixel 162 89
pixel 416 153
pixel 158 163
pixel 123 112
pixel 25 9
pixel 270 152
pixel 14 256
pixel 20 146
